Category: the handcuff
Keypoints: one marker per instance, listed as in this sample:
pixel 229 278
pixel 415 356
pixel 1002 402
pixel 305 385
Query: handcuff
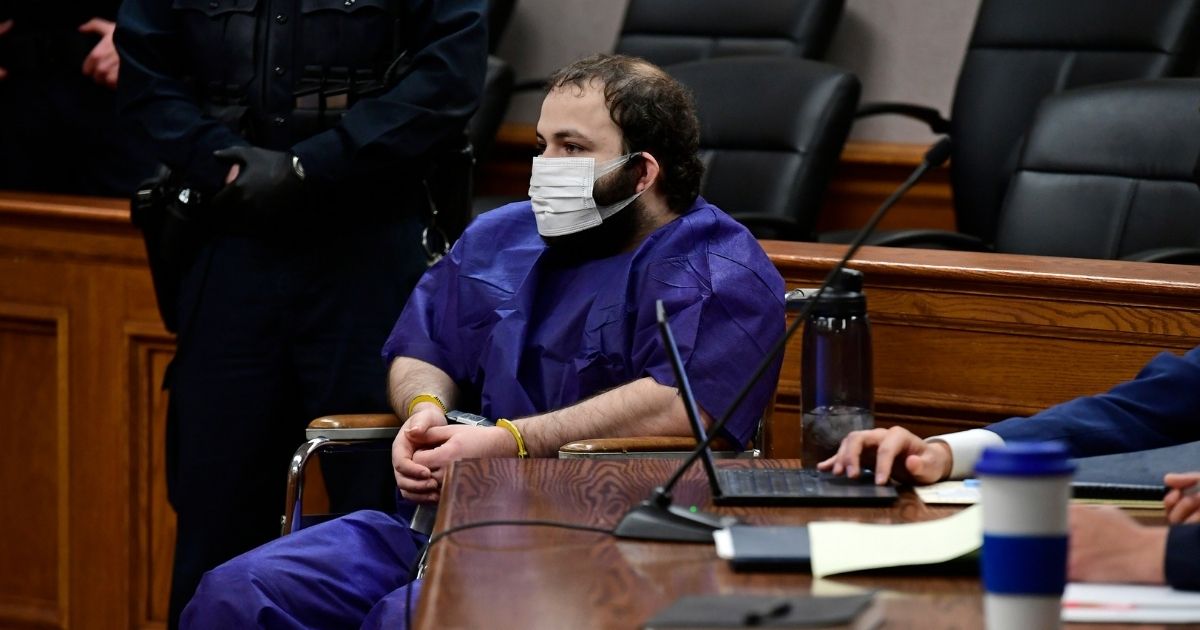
pixel 455 416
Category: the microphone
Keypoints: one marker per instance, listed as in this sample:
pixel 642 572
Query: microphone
pixel 655 518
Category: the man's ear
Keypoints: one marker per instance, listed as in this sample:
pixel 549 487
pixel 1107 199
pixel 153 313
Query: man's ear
pixel 650 170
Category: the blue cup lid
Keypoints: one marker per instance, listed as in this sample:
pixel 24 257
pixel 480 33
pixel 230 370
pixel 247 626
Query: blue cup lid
pixel 1026 459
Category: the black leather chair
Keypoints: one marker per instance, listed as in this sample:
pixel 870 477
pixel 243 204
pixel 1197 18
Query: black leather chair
pixel 452 182
pixel 498 83
pixel 772 129
pixel 499 15
pixel 497 91
pixel 498 86
pixel 1106 172
pixel 1019 52
pixel 665 32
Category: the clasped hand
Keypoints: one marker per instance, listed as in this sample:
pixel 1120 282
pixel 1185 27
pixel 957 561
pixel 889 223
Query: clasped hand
pixel 426 445
pixel 260 188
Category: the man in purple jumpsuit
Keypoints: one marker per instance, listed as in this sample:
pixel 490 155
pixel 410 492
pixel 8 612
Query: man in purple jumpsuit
pixel 543 313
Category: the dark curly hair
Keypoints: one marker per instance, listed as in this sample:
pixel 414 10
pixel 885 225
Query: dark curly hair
pixel 655 114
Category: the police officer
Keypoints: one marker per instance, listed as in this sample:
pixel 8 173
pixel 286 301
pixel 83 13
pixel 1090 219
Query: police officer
pixel 59 130
pixel 305 128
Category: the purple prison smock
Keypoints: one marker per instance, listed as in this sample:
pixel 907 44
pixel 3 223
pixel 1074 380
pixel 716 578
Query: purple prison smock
pixel 528 335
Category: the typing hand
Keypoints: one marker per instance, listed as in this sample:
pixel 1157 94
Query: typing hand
pixel 5 27
pixel 920 462
pixel 102 64
pixel 455 442
pixel 416 481
pixel 1107 545
pixel 1182 503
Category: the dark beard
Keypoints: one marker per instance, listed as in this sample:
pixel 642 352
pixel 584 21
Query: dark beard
pixel 614 234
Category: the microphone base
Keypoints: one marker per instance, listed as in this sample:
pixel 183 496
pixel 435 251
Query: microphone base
pixel 651 521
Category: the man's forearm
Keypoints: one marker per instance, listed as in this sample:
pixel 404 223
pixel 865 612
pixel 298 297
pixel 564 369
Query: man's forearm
pixel 640 408
pixel 153 92
pixel 441 88
pixel 409 378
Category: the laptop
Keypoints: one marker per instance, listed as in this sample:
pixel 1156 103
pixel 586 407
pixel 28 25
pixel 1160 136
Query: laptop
pixel 767 486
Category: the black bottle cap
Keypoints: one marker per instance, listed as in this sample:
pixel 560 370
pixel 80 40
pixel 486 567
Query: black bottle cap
pixel 843 298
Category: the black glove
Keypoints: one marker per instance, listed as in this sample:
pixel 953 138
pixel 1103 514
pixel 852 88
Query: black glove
pixel 269 185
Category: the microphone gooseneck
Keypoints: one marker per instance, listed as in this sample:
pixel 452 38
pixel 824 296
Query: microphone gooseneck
pixel 690 526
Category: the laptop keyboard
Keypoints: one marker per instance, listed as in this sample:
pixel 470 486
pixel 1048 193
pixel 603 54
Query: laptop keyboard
pixel 787 482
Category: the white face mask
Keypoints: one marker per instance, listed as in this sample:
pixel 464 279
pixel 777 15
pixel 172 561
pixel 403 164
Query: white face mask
pixel 561 192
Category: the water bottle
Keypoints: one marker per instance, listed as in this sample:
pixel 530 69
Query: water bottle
pixel 836 387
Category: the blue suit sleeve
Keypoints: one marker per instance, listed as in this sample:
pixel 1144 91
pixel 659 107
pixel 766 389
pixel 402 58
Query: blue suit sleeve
pixel 430 103
pixel 151 91
pixel 1160 407
pixel 1183 557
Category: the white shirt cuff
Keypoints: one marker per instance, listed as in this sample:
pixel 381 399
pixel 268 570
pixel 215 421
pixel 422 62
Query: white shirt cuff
pixel 965 449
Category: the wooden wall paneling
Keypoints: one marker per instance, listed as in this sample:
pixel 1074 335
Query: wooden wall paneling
pixel 34 489
pixel 868 172
pixel 82 257
pixel 102 541
pixel 150 351
pixel 961 339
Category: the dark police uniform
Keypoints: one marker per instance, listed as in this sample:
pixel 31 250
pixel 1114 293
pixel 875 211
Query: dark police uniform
pixel 59 130
pixel 282 312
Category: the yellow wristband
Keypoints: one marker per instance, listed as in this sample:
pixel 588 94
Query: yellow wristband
pixel 516 433
pixel 420 398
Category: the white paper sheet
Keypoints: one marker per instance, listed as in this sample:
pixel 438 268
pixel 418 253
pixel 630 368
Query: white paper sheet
pixel 948 493
pixel 1129 603
pixel 840 547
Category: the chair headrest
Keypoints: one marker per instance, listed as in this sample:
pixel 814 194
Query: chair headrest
pixel 765 103
pixel 1147 129
pixel 1153 25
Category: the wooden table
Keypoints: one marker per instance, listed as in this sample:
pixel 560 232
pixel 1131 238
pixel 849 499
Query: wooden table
pixel 540 577
pixel 543 577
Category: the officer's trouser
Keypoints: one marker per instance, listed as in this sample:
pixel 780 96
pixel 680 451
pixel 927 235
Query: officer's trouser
pixel 274 333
